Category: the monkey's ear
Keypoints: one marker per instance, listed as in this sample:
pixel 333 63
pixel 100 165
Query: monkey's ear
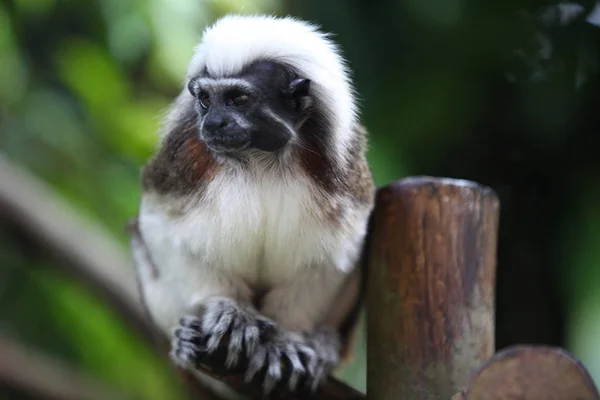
pixel 298 88
pixel 193 87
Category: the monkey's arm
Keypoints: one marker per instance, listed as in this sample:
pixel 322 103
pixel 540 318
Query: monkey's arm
pixel 145 269
pixel 147 272
pixel 317 302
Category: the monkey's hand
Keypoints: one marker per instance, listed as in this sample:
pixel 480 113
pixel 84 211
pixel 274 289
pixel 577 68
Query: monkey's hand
pixel 325 342
pixel 257 347
pixel 221 317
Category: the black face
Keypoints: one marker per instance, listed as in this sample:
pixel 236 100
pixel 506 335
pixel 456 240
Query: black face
pixel 257 109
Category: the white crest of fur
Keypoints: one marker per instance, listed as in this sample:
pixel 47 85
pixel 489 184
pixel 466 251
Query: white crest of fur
pixel 236 41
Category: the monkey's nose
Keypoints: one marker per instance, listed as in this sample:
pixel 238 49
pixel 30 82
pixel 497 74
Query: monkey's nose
pixel 215 125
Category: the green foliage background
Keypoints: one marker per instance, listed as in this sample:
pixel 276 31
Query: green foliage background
pixel 83 84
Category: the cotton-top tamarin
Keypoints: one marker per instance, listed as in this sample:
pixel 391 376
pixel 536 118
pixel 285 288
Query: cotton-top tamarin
pixel 255 206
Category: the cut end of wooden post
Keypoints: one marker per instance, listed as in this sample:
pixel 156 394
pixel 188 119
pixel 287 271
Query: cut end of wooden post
pixel 418 183
pixel 532 373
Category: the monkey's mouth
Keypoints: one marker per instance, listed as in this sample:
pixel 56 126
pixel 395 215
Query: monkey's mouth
pixel 227 144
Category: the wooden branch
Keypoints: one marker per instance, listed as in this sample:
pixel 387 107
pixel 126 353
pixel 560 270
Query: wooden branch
pixel 459 396
pixel 431 287
pixel 332 389
pixel 90 254
pixel 46 378
pixel 532 373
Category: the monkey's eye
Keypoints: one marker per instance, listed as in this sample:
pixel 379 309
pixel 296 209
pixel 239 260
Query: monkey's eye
pixel 204 99
pixel 238 99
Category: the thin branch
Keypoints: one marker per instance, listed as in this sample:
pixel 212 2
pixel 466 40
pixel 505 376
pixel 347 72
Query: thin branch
pixel 47 378
pixel 89 253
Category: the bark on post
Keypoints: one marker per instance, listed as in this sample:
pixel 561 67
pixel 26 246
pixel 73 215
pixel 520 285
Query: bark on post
pixel 431 287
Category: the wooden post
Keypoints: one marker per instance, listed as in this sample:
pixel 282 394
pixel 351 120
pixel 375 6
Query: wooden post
pixel 431 287
pixel 531 373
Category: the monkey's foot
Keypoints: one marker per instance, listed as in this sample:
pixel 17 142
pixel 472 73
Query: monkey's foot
pixel 284 359
pixel 187 345
pixel 196 338
pixel 298 362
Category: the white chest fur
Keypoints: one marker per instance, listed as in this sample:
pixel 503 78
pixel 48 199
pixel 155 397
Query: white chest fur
pixel 263 230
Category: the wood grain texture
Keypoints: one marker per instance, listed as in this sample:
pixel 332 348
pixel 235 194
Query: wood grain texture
pixel 431 287
pixel 532 373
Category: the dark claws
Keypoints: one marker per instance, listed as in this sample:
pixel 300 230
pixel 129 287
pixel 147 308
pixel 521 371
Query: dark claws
pixel 276 358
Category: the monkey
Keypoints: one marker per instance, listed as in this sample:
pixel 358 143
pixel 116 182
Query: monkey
pixel 255 205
